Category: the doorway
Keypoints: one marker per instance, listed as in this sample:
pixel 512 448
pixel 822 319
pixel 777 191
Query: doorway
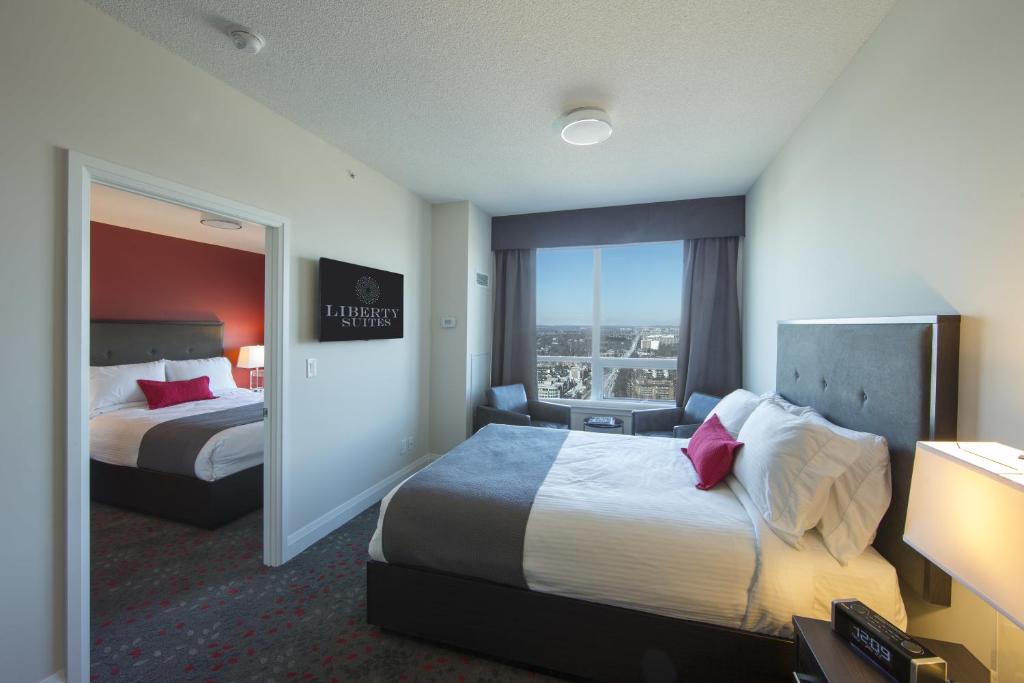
pixel 83 174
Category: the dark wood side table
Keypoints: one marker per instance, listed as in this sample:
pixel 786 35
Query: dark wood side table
pixel 823 657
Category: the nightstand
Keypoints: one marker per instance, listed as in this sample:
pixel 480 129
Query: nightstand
pixel 823 657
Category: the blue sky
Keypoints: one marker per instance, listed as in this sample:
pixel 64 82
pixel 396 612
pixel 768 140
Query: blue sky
pixel 641 284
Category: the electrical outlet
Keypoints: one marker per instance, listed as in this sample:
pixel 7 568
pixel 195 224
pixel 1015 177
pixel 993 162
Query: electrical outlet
pixel 311 367
pixel 412 444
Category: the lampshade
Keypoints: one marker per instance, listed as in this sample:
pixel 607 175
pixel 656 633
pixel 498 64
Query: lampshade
pixel 250 357
pixel 966 514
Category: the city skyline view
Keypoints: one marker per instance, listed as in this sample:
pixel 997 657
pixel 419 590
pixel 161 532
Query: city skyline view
pixel 565 378
pixel 640 294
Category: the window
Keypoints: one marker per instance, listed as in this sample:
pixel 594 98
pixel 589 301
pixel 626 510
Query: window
pixel 608 321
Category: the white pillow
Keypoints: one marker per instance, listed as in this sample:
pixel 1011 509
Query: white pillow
pixel 788 465
pixel 859 497
pixel 734 409
pixel 115 386
pixel 790 408
pixel 218 369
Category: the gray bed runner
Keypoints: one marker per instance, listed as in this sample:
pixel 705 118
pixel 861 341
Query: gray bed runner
pixel 173 446
pixel 467 512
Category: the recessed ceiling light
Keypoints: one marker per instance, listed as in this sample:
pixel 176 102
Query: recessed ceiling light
pixel 586 126
pixel 220 223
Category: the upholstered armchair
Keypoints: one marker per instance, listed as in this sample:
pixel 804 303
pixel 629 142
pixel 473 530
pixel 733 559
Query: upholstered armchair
pixel 509 405
pixel 680 423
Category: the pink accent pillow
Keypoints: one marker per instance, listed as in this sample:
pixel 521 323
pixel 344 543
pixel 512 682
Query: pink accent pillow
pixel 163 394
pixel 711 450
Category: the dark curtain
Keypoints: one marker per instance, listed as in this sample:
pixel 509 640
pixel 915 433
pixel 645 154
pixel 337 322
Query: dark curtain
pixel 710 351
pixel 514 349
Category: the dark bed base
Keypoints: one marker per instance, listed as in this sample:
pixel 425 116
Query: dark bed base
pixel 172 496
pixel 563 635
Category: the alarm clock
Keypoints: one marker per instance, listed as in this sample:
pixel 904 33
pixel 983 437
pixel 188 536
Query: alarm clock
pixel 889 648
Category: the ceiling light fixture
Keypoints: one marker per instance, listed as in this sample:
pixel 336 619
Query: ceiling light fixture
pixel 246 39
pixel 220 223
pixel 586 126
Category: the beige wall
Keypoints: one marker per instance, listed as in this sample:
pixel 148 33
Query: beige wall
pixel 903 193
pixel 71 77
pixel 479 309
pixel 461 247
pixel 450 255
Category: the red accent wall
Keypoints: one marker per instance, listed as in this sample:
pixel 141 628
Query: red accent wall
pixel 141 276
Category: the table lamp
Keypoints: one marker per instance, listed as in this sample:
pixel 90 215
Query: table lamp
pixel 966 514
pixel 251 358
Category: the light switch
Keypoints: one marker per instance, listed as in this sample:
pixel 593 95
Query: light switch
pixel 447 322
pixel 311 367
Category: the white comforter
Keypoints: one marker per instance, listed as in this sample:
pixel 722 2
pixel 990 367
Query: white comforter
pixel 115 437
pixel 619 521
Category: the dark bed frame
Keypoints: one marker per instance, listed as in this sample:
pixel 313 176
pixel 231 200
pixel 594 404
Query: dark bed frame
pixel 207 504
pixel 896 377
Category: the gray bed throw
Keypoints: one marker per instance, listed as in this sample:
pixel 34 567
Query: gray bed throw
pixel 466 513
pixel 173 446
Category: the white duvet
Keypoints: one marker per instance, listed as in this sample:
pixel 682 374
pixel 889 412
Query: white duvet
pixel 619 520
pixel 115 437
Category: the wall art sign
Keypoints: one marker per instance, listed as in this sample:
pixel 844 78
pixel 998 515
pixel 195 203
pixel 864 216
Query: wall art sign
pixel 357 302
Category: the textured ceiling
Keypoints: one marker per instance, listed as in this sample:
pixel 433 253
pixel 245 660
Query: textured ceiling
pixel 457 99
pixel 128 210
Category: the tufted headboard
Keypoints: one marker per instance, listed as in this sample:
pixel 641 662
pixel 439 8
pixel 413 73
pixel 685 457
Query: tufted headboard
pixel 114 342
pixel 896 377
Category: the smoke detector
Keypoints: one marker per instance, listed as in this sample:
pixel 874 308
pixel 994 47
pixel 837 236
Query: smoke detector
pixel 246 40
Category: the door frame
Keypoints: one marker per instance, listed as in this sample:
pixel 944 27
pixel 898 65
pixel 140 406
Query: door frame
pixel 83 172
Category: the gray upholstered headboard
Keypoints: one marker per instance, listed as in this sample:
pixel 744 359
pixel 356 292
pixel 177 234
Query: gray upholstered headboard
pixel 896 377
pixel 114 342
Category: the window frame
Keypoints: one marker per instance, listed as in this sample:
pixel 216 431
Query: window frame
pixel 599 363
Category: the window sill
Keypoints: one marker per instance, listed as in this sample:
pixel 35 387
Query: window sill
pixel 610 404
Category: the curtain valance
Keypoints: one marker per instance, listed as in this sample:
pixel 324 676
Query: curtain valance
pixel 686 219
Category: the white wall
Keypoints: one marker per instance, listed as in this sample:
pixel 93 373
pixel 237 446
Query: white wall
pixel 461 247
pixel 73 78
pixel 902 193
pixel 450 254
pixel 479 310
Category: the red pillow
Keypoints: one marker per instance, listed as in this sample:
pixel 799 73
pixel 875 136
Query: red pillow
pixel 711 450
pixel 163 394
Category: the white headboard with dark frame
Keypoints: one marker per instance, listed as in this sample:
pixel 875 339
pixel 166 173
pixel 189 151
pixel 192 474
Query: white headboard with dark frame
pixel 896 377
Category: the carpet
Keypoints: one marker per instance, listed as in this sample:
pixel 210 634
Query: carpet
pixel 171 602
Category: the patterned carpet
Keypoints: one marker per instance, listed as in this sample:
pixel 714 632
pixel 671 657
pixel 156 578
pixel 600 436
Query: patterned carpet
pixel 172 602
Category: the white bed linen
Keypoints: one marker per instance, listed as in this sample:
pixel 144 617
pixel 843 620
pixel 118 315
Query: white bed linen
pixel 115 437
pixel 621 521
pixel 618 520
pixel 805 582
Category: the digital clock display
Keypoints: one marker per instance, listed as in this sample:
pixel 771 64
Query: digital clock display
pixel 888 647
pixel 854 624
pixel 870 643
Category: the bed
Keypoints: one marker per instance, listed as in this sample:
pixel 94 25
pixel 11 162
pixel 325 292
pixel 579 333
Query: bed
pixel 216 480
pixel 626 572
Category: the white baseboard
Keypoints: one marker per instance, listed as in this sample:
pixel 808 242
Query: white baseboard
pixel 331 520
pixel 55 678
